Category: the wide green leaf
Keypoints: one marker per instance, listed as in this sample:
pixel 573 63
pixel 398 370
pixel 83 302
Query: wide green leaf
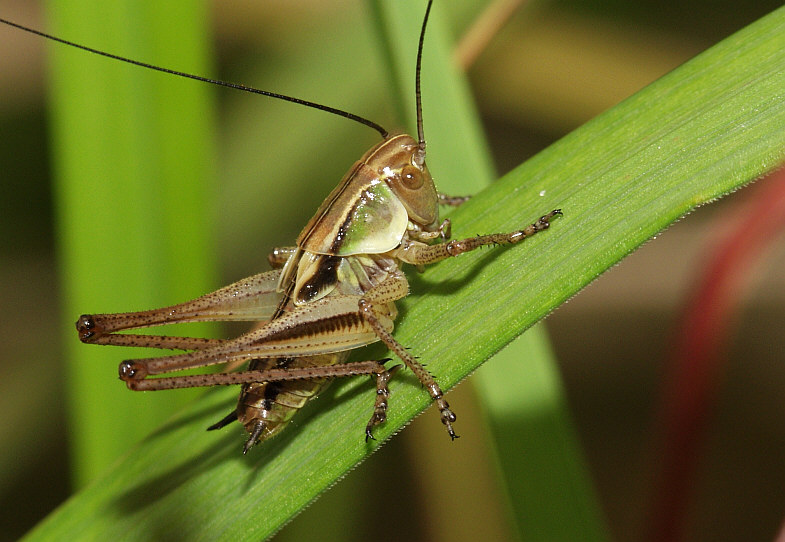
pixel 696 134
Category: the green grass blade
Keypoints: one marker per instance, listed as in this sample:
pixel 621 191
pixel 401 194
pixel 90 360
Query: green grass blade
pixel 521 390
pixel 544 472
pixel 699 133
pixel 132 167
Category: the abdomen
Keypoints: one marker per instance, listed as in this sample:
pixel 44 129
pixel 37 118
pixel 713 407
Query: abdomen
pixel 274 403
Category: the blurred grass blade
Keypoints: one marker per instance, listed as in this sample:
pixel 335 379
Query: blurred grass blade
pixel 698 133
pixel 544 473
pixel 527 414
pixel 132 197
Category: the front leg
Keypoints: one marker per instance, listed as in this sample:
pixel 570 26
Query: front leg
pixel 444 232
pixel 419 254
pixel 373 309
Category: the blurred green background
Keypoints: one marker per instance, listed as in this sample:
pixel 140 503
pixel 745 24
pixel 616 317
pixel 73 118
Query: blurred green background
pixel 572 60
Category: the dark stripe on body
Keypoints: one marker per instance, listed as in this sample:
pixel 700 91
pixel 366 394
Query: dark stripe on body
pixel 326 275
pixel 340 236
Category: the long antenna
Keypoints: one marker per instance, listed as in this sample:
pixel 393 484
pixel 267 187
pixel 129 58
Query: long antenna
pixel 417 94
pixel 237 86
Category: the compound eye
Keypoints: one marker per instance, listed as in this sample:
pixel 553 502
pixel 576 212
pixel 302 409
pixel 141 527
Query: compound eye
pixel 412 177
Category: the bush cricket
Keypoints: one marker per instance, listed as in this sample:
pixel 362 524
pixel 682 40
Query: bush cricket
pixel 330 293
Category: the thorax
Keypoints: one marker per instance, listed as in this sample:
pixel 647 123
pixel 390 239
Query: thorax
pixel 315 276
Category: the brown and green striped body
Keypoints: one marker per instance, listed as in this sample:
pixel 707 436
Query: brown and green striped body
pixel 340 252
pixel 265 408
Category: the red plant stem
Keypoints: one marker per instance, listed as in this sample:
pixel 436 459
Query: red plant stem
pixel 696 366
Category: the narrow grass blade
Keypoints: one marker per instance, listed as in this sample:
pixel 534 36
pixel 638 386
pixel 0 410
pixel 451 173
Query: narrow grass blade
pixel 132 160
pixel 542 466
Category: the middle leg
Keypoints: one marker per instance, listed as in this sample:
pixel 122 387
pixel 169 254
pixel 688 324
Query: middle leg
pixel 373 308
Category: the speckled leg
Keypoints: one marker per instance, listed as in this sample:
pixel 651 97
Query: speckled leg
pixel 419 254
pixel 396 287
